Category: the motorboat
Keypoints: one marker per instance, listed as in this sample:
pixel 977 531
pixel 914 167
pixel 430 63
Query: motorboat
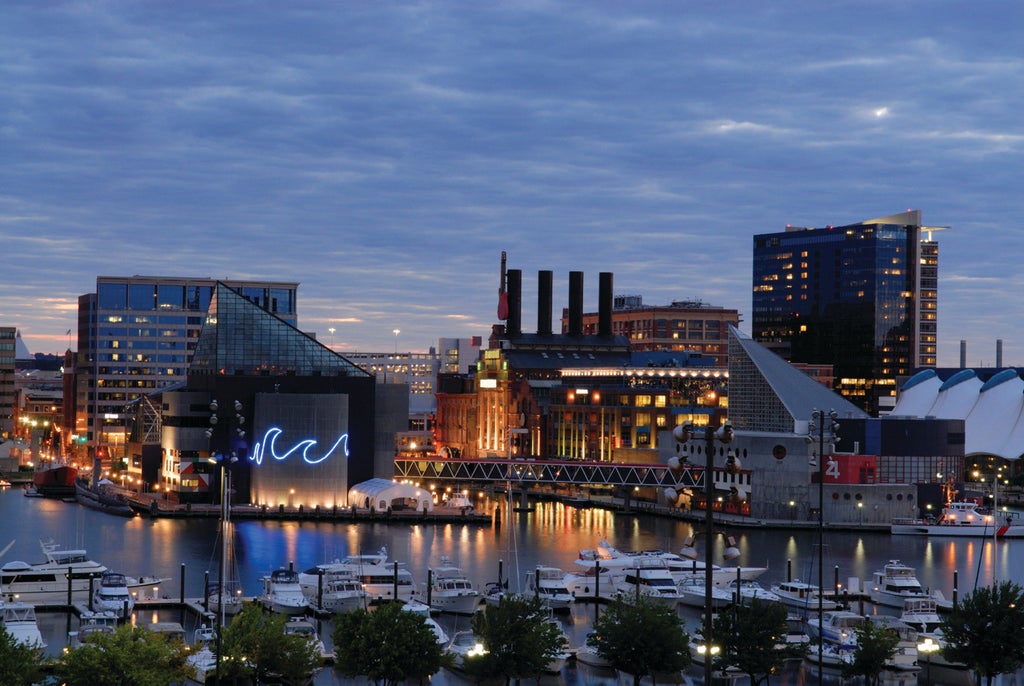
pixel 693 592
pixel 19 620
pixel 91 623
pixel 424 611
pixel 895 583
pixel 588 655
pixel 451 591
pixel 802 596
pixel 55 480
pixel 300 626
pixel 202 657
pixel 836 627
pixel 339 594
pixel 548 584
pixel 962 518
pixel 465 645
pixel 494 591
pixel 379 576
pixel 593 578
pixel 47 582
pixel 749 590
pixel 682 565
pixel 650 577
pixel 921 614
pixel 283 594
pixel 112 595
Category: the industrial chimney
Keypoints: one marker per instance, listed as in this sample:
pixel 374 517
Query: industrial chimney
pixel 514 323
pixel 544 281
pixel 604 307
pixel 575 304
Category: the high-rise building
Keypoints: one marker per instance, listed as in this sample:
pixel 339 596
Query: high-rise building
pixel 861 297
pixel 137 334
pixel 7 339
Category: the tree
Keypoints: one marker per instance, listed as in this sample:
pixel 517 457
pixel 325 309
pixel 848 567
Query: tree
pixel 983 631
pixel 387 645
pixel 255 645
pixel 131 656
pixel 641 638
pixel 876 645
pixel 19 663
pixel 753 639
pixel 519 638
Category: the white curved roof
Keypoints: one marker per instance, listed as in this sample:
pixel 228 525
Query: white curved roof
pixel 993 411
pixel 387 490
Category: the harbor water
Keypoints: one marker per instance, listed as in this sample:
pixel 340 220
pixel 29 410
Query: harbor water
pixel 551 534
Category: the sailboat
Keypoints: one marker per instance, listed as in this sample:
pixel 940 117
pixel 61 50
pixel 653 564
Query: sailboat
pixel 225 596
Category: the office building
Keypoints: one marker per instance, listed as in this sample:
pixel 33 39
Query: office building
pixel 682 326
pixel 861 297
pixel 7 338
pixel 137 334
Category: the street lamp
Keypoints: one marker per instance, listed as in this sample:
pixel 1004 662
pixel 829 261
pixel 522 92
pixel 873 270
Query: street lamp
pixel 331 331
pixel 927 646
pixel 396 332
pixel 817 429
pixel 683 433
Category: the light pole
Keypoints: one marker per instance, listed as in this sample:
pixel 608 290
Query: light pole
pixel 396 332
pixel 818 428
pixel 683 433
pixel 331 331
pixel 927 646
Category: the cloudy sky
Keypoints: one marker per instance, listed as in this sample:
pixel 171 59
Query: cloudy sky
pixel 383 154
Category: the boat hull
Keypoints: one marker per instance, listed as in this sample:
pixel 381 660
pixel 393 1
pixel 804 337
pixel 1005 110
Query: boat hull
pixel 56 481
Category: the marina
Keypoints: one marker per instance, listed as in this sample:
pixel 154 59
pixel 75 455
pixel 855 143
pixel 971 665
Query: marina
pixel 181 552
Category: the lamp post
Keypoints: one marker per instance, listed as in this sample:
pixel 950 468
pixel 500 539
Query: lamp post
pixel 396 332
pixel 233 438
pixel 818 429
pixel 684 433
pixel 927 646
pixel 331 331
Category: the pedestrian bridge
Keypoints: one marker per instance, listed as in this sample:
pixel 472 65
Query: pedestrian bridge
pixel 565 473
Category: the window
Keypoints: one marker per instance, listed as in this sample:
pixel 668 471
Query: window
pixel 170 297
pixel 111 296
pixel 141 296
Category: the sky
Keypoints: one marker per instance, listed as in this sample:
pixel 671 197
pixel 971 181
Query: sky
pixel 383 154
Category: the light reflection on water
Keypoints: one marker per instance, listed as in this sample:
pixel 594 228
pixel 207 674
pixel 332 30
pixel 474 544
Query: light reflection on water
pixel 553 535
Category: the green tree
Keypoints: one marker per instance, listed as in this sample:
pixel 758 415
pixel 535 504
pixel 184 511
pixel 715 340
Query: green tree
pixel 519 638
pixel 983 631
pixel 255 645
pixel 19 663
pixel 131 656
pixel 388 645
pixel 753 639
pixel 641 638
pixel 876 645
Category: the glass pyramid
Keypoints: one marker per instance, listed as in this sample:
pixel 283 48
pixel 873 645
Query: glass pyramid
pixel 240 338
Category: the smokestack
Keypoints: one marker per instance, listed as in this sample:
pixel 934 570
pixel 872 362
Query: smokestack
pixel 604 308
pixel 544 281
pixel 999 353
pixel 963 354
pixel 575 304
pixel 514 283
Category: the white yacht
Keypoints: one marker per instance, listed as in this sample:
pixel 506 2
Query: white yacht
pixel 650 577
pixel 424 611
pixel 802 596
pixel 90 623
pixel 836 627
pixel 548 583
pixel 340 594
pixel 379 576
pixel 46 582
pixel 894 583
pixel 300 626
pixel 693 592
pixel 19 619
pixel 112 595
pixel 282 593
pixel 451 591
pixel 749 590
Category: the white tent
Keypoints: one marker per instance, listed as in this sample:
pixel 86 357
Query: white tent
pixel 381 494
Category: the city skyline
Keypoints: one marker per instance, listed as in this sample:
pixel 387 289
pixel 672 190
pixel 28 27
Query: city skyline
pixel 384 156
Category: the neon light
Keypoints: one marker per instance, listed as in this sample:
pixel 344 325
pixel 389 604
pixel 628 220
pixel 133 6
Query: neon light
pixel 268 446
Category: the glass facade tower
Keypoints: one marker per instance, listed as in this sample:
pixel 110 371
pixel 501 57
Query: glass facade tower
pixel 861 297
pixel 137 334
